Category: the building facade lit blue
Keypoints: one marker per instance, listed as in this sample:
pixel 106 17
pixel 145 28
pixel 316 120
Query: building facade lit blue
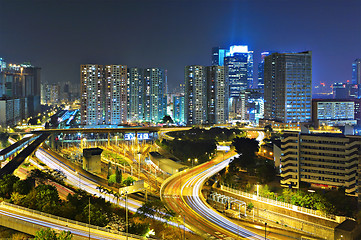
pixel 288 86
pixel 178 109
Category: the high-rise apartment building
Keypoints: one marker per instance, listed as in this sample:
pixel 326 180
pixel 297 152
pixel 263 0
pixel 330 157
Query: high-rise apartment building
pixel 103 94
pixel 147 100
pixel 356 72
pixel 19 92
pixel 92 94
pixel 195 94
pixel 50 94
pixel 217 95
pixel 155 101
pixel 323 160
pixel 287 87
pixel 115 77
pixel 136 94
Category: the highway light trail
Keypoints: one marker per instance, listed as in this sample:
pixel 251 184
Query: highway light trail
pixel 194 184
pixel 76 179
pixel 46 224
pixel 87 184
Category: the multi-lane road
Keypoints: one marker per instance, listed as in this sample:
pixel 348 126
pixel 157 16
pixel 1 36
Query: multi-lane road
pixel 182 193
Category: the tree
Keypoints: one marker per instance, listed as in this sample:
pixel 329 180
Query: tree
pixel 266 172
pixel 128 181
pixel 250 206
pixel 140 229
pixel 155 209
pixel 268 128
pixel 118 175
pixel 44 198
pixel 7 185
pixel 167 119
pixel 4 137
pixel 246 148
pixel 22 187
pixel 49 234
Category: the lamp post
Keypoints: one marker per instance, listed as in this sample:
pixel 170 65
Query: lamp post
pixel 89 218
pixel 126 213
pixel 139 154
pixel 193 160
pixel 265 231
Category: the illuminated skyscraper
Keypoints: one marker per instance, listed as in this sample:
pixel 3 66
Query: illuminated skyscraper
pixel 115 77
pixel 218 55
pixel 356 72
pixel 136 94
pixel 178 109
pixel 91 90
pixel 155 101
pixel 195 94
pixel 217 95
pixel 19 92
pixel 260 84
pixel 288 84
pixel 103 94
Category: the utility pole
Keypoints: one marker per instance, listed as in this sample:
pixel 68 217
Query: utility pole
pixel 89 218
pixel 265 231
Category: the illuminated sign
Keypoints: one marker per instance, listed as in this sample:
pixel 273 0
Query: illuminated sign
pixel 223 148
pixel 141 136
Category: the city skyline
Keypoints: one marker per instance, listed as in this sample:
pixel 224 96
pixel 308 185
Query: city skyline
pixel 58 35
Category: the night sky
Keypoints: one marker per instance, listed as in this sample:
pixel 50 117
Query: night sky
pixel 58 36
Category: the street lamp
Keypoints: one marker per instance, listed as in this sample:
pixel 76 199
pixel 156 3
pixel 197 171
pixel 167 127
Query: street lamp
pixel 193 160
pixel 126 212
pixel 139 154
pixel 265 231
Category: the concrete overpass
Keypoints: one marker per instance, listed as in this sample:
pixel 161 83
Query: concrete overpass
pixel 30 221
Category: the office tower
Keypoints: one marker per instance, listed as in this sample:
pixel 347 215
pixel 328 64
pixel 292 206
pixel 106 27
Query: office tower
pixel 136 94
pixel 217 95
pixel 195 94
pixel 356 72
pixel 155 101
pixel 323 160
pixel 251 105
pixel 178 109
pixel 218 55
pixel 336 112
pixel 19 92
pixel 239 73
pixel 345 90
pixel 260 84
pixel 103 94
pixel 287 87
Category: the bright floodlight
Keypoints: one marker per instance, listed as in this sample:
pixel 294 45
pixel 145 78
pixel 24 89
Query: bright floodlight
pixel 238 49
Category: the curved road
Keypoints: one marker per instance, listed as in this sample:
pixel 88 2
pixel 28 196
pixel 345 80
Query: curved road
pixel 182 193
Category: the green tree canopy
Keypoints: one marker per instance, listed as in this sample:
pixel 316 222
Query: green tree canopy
pixel 50 234
pixel 246 148
pixel 7 185
pixel 167 119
